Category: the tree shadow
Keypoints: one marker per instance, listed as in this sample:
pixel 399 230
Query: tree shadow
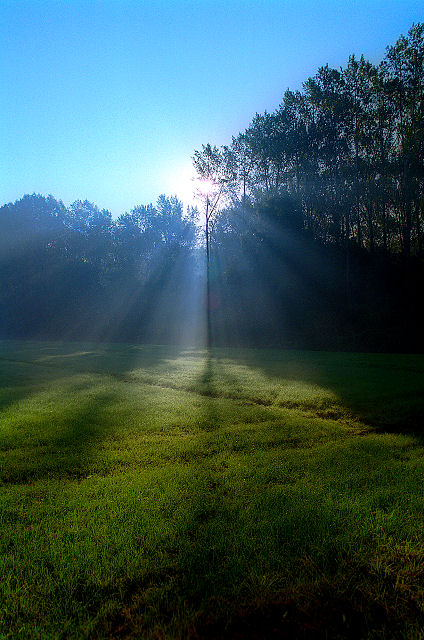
pixel 210 556
pixel 62 390
pixel 213 565
pixel 26 367
pixel 210 419
pixel 383 391
pixel 60 446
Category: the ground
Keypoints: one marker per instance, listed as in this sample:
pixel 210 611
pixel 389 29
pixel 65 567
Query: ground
pixel 157 492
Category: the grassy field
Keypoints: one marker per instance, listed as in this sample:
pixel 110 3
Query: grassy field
pixel 152 492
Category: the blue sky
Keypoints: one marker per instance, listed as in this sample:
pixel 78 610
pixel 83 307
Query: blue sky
pixel 107 100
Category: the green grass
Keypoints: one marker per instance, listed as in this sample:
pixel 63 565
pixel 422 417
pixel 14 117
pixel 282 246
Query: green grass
pixel 152 492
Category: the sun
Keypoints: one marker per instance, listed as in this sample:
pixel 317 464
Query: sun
pixel 184 182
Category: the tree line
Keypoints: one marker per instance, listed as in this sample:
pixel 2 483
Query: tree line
pixel 334 179
pixel 347 149
pixel 315 232
pixel 74 272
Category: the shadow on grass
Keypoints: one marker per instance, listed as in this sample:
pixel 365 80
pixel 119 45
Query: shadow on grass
pixel 63 391
pixel 218 539
pixel 27 367
pixel 83 357
pixel 319 611
pixel 65 447
pixel 340 601
pixel 210 416
pixel 384 391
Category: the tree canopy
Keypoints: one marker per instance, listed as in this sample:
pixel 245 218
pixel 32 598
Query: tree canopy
pixel 348 149
pixel 314 215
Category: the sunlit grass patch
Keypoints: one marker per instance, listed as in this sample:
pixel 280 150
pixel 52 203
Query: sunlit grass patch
pixel 153 492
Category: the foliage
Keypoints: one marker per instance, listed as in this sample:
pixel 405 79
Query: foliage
pixel 77 271
pixel 348 148
pixel 318 242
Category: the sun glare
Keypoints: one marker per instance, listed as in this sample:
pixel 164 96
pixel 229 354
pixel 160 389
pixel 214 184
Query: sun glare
pixel 185 183
pixel 205 186
pixel 182 184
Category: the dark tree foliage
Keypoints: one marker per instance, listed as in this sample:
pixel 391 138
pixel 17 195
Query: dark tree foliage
pixel 76 273
pixel 315 232
pixel 348 149
pixel 326 199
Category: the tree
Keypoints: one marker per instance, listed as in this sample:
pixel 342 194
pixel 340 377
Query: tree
pixel 216 174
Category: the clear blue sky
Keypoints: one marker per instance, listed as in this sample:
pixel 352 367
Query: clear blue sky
pixel 107 100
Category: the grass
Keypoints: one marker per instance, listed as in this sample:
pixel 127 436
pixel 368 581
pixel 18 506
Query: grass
pixel 152 492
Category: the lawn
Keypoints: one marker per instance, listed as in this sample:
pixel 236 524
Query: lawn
pixel 157 492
